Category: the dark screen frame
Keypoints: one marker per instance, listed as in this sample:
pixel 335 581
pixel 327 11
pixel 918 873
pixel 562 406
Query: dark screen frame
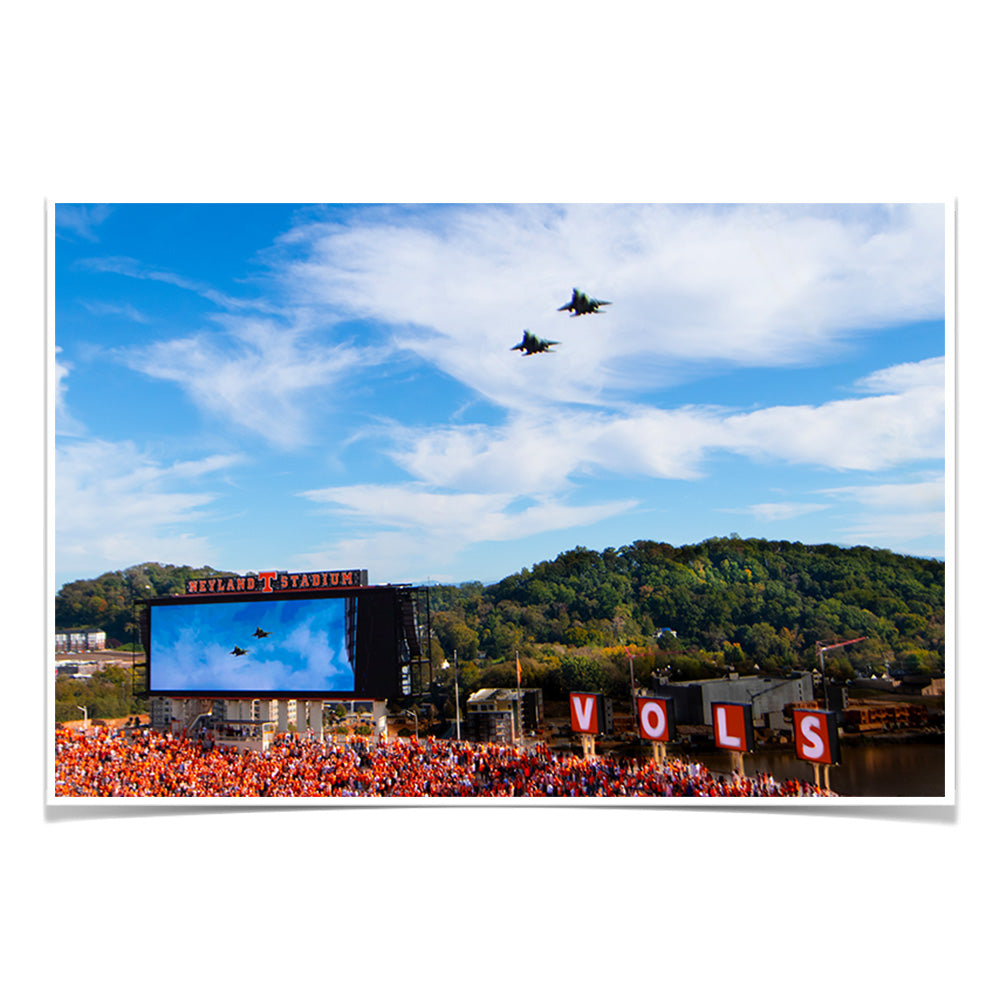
pixel 377 628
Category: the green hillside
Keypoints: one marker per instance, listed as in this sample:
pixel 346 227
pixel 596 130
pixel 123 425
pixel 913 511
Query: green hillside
pixel 723 604
pixel 106 602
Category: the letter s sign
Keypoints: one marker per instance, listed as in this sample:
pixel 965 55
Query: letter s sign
pixel 816 737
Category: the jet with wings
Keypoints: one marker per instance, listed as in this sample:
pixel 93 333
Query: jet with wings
pixel 530 344
pixel 260 633
pixel 236 651
pixel 581 304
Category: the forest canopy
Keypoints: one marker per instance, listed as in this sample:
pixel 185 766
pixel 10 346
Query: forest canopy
pixel 731 600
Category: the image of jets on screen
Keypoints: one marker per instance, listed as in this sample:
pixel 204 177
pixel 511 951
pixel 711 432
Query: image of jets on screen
pixel 281 645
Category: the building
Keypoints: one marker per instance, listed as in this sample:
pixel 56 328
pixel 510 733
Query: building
pixel 247 723
pixel 878 715
pixel 80 640
pixel 78 669
pixel 767 697
pixel 501 715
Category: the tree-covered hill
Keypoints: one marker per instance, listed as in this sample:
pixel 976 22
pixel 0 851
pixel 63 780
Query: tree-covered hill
pixel 721 604
pixel 734 601
pixel 106 602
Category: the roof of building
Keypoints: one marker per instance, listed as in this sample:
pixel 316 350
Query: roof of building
pixel 499 694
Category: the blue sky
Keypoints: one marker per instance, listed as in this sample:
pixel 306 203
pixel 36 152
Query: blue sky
pixel 297 387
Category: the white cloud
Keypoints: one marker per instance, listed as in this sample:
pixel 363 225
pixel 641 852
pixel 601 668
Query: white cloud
pixel 131 268
pixel 542 453
pixel 690 286
pixel 65 424
pixel 115 505
pixel 864 434
pixel 748 285
pixel 779 511
pixel 898 530
pixel 899 514
pixel 116 309
pixel 460 518
pixel 401 530
pixel 929 373
pixel 81 220
pixel 260 374
pixel 927 495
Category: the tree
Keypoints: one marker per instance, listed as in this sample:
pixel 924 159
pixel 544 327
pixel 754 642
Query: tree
pixel 581 673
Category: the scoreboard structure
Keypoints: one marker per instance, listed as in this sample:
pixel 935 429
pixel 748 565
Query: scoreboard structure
pixel 288 635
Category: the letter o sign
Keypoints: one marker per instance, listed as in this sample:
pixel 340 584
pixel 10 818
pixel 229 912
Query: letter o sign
pixel 654 719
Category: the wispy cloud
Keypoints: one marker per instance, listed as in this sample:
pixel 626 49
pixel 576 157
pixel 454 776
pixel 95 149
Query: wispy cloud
pixel 116 309
pixel 872 433
pixel 777 511
pixel 745 286
pixel 543 452
pixel 131 268
pixel 926 494
pixel 905 531
pixel 116 504
pixel 449 290
pixel 65 424
pixel 929 373
pixel 421 527
pixel 741 286
pixel 81 220
pixel 469 517
pixel 258 374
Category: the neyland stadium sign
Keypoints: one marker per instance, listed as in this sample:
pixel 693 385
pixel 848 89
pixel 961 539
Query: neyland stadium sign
pixel 276 581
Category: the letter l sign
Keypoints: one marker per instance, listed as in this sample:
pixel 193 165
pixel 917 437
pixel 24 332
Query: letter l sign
pixel 725 739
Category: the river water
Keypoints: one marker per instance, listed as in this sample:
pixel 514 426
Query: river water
pixel 882 770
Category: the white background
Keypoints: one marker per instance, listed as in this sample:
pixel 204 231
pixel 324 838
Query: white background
pixel 535 102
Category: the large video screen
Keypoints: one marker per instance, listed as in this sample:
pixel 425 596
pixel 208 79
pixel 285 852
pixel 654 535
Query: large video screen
pixel 274 646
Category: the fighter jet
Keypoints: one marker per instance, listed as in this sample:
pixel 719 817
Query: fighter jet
pixel 530 344
pixel 581 303
pixel 260 633
pixel 236 651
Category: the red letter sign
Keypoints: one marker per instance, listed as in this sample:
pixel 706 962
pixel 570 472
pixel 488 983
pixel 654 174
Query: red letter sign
pixel 583 713
pixel 733 724
pixel 816 737
pixel 656 718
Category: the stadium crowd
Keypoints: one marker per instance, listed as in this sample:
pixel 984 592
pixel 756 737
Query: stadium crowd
pixel 107 764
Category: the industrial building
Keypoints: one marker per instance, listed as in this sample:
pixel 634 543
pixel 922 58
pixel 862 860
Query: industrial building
pixel 767 697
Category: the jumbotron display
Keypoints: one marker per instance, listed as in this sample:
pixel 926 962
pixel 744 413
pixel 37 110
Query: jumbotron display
pixel 351 643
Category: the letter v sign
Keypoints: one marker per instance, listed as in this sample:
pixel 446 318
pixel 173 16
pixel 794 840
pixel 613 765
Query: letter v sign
pixel 583 714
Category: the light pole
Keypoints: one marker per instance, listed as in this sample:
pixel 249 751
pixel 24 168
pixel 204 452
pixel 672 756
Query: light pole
pixel 133 624
pixel 458 712
pixel 631 673
pixel 822 665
